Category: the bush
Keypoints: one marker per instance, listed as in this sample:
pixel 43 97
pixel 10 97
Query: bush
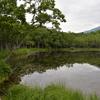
pixel 5 70
pixel 3 54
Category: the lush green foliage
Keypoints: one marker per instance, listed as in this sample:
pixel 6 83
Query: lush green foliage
pixel 51 38
pixel 3 54
pixel 50 92
pixel 5 70
pixel 14 28
pixel 39 10
pixel 13 25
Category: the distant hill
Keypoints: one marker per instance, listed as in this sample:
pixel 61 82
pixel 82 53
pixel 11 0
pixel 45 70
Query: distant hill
pixel 92 30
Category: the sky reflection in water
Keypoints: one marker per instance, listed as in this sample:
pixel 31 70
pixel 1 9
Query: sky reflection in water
pixel 84 77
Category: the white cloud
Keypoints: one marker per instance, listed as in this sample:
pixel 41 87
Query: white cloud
pixel 81 15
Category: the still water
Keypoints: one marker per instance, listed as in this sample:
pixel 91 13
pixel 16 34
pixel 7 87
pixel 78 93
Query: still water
pixel 76 70
pixel 84 77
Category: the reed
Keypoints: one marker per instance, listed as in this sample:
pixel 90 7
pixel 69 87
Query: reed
pixel 50 92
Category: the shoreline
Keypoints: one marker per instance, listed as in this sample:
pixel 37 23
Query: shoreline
pixel 69 51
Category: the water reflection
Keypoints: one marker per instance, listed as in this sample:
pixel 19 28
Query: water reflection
pixel 81 76
pixel 75 69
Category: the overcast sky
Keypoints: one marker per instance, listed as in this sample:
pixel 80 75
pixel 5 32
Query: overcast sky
pixel 81 15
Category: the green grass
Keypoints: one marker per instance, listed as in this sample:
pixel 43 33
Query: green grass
pixel 50 92
pixel 73 48
pixel 5 71
pixel 22 51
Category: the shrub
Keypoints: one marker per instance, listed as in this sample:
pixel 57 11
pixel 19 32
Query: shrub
pixel 5 70
pixel 3 54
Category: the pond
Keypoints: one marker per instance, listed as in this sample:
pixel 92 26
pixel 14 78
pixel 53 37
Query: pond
pixel 76 70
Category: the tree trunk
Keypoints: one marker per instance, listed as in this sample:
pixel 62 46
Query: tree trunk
pixel 1 47
pixel 13 49
pixel 6 45
pixel 38 44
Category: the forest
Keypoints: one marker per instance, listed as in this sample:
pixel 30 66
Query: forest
pixel 51 38
pixel 16 32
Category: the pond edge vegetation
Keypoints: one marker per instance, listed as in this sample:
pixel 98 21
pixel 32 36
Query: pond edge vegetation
pixel 50 92
pixel 5 71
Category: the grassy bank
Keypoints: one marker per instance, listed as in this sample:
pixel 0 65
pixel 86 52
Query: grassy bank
pixel 50 92
pixel 5 71
pixel 73 48
pixel 22 51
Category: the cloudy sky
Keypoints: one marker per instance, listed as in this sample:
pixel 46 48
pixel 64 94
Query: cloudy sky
pixel 81 15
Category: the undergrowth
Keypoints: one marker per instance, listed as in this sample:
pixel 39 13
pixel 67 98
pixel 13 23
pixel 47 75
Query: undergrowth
pixel 5 70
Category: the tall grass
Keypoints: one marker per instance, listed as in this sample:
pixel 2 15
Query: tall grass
pixel 5 71
pixel 59 92
pixel 50 92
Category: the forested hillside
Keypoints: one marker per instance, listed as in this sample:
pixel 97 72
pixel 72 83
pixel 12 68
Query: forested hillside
pixel 92 30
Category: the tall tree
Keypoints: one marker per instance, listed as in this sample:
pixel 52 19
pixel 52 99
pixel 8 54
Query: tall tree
pixel 12 20
pixel 12 17
pixel 43 12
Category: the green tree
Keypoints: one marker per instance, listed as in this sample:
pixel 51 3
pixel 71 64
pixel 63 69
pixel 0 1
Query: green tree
pixel 13 25
pixel 43 12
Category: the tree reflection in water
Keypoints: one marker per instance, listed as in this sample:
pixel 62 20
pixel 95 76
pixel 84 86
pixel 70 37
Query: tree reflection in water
pixel 41 61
